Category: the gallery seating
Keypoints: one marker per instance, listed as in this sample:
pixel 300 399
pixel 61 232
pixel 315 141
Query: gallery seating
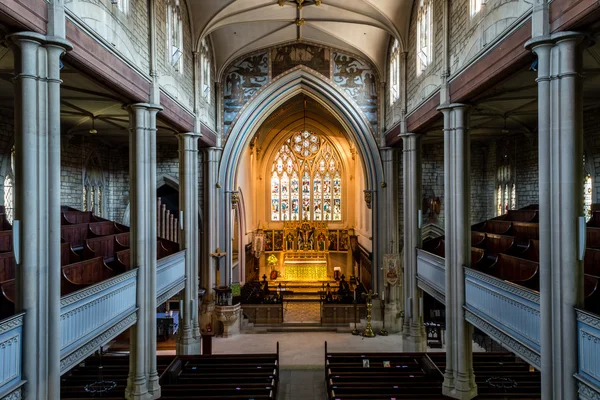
pixel 508 248
pixel 92 249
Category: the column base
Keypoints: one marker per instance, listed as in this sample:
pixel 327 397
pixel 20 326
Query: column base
pixel 154 386
pixel 393 323
pixel 455 393
pixel 414 344
pixel 188 346
pixel 137 390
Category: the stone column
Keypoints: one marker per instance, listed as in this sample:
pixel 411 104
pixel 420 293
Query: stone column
pixel 187 341
pixel 391 238
pixel 142 382
pixel 211 228
pixel 413 331
pixel 37 177
pixel 560 115
pixel 459 381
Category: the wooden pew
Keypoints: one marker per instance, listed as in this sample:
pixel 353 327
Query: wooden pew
pixel 591 262
pixel 67 255
pixel 517 270
pixel 7 298
pixel 594 221
pixel 529 251
pixel 7 266
pixel 165 248
pixel 102 246
pixel 591 290
pixel 103 228
pixel 75 234
pixel 494 226
pixel 593 238
pixel 4 224
pixel 82 274
pixel 122 239
pixel 525 230
pixel 74 217
pixel 6 241
pixel 496 244
pixel 521 215
pixel 476 256
pixel 477 239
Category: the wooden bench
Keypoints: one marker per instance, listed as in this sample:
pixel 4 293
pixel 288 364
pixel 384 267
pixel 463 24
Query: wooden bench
pixel 498 227
pixel 516 270
pixel 84 273
pixel 521 216
pixel 6 241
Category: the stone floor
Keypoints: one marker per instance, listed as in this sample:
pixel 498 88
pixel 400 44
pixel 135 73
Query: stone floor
pixel 306 311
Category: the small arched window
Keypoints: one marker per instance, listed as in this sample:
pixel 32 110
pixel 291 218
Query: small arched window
pixel 395 73
pixel 475 7
pixel 93 188
pixel 424 32
pixel 174 35
pixel 9 186
pixel 123 6
pixel 206 71
pixel 587 191
pixel 506 193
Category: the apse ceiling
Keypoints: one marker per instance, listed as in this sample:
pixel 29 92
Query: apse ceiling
pixel 237 27
pixel 298 114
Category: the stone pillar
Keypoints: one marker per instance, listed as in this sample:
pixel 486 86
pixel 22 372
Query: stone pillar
pixel 187 341
pixel 391 238
pixel 37 178
pixel 211 228
pixel 459 381
pixel 560 115
pixel 142 382
pixel 413 331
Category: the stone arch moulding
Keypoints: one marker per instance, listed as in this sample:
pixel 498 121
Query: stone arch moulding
pixel 267 100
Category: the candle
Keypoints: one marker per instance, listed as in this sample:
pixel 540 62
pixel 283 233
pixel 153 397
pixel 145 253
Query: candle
pixel 383 295
pixel 355 295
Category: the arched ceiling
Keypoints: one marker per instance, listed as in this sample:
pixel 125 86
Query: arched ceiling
pixel 237 27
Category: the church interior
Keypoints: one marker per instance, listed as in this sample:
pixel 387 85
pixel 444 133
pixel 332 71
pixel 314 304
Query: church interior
pixel 299 199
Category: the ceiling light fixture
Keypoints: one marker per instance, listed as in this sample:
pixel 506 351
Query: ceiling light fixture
pixel 93 131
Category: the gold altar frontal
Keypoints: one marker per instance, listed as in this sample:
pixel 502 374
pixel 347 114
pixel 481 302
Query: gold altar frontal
pixel 305 271
pixel 305 266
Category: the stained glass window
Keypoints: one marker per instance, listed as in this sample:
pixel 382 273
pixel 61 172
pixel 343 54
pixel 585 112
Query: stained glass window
pixel 506 195
pixel 9 185
pixel 395 73
pixel 424 28
pixel 93 185
pixel 306 180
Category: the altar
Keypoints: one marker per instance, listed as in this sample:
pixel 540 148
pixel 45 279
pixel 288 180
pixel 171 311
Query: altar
pixel 305 266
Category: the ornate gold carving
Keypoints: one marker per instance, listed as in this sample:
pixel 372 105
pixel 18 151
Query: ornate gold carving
pixel 368 198
pixel 300 21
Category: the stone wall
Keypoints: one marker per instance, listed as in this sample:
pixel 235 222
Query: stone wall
pixel 178 84
pixel 420 87
pixel 591 146
pixel 470 35
pixel 125 32
pixel 433 178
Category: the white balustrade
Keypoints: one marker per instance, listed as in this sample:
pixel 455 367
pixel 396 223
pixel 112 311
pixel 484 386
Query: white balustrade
pixel 170 275
pixel 11 330
pixel 92 316
pixel 431 270
pixel 509 308
pixel 588 329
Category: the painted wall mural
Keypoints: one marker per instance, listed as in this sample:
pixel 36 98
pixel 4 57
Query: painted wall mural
pixel 246 76
pixel 242 79
pixel 359 81
pixel 288 57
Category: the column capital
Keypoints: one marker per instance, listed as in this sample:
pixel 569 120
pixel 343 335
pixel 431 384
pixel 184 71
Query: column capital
pixel 42 40
pixel 549 40
pixel 144 106
pixel 407 135
pixel 453 106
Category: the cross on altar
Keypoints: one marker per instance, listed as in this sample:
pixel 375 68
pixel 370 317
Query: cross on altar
pixel 217 255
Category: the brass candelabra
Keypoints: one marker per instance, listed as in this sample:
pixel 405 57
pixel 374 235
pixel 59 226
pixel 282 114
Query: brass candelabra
pixel 369 329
